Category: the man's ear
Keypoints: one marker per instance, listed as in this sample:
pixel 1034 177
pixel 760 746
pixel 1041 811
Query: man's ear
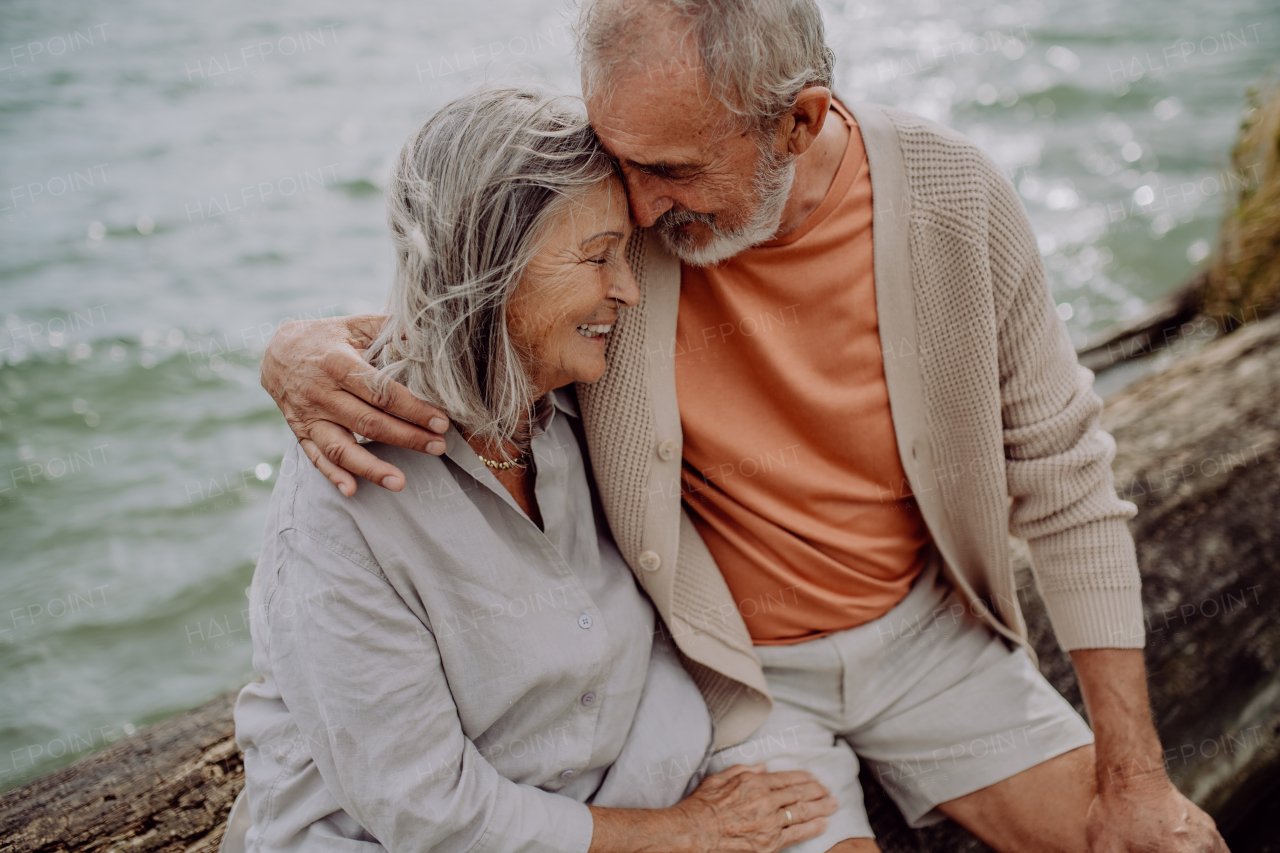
pixel 807 117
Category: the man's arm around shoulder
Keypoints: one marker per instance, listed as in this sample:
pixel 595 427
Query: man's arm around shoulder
pixel 316 372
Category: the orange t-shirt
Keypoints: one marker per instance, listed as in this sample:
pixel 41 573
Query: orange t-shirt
pixel 791 467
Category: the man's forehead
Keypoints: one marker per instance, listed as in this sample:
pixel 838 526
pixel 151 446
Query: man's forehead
pixel 657 118
pixel 633 140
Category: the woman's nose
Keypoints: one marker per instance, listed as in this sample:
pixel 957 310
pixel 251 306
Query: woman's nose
pixel 624 288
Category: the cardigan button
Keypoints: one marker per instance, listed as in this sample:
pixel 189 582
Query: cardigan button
pixel 650 561
pixel 667 451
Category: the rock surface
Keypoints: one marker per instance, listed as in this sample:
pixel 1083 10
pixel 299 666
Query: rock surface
pixel 1245 275
pixel 1198 451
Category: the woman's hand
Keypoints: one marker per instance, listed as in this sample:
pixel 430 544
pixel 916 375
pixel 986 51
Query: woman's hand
pixel 316 373
pixel 740 810
pixel 746 809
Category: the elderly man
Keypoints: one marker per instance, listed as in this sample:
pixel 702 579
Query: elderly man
pixel 844 386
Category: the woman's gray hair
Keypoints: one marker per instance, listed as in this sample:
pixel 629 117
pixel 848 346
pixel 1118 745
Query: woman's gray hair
pixel 756 54
pixel 470 201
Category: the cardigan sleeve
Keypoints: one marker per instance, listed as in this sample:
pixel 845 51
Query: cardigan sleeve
pixel 1057 459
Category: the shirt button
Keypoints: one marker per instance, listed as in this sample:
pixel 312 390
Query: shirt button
pixel 588 698
pixel 584 621
pixel 667 451
pixel 568 774
pixel 650 561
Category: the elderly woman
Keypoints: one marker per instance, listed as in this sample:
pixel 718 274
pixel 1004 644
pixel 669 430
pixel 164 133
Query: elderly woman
pixel 468 664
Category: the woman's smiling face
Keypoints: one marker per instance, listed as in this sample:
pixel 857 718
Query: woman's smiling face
pixel 568 299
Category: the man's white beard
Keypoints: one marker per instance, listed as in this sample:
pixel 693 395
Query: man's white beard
pixel 772 181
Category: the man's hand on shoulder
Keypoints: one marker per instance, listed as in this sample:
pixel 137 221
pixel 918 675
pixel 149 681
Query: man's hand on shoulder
pixel 316 372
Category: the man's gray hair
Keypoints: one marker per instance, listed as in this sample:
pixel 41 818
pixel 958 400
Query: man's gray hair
pixel 469 202
pixel 756 55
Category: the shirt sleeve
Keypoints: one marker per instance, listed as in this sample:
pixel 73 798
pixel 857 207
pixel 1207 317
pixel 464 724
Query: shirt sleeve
pixel 363 678
pixel 1057 458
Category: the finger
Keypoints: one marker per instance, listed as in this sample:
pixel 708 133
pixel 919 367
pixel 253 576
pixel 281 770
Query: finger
pixel 356 415
pixel 807 811
pixel 339 446
pixel 787 778
pixel 798 832
pixel 353 373
pixel 363 328
pixel 807 792
pixel 341 478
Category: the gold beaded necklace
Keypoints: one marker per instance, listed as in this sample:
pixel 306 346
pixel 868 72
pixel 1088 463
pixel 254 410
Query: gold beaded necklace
pixel 518 462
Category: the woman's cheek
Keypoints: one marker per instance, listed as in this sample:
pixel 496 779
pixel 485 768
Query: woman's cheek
pixel 593 371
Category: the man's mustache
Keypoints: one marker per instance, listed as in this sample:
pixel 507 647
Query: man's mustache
pixel 673 219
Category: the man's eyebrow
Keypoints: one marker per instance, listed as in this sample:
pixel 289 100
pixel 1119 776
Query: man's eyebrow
pixel 617 234
pixel 667 170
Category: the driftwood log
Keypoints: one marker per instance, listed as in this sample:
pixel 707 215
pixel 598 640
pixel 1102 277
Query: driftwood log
pixel 1198 450
pixel 167 788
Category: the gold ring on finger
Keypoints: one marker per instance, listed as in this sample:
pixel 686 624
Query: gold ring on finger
pixel 790 819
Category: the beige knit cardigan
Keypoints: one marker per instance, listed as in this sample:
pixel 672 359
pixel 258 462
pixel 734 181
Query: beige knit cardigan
pixel 996 422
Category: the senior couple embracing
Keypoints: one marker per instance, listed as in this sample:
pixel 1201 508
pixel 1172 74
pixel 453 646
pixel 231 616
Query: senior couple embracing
pixel 702 416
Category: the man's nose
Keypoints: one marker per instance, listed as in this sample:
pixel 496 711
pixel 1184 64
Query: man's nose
pixel 652 210
pixel 646 204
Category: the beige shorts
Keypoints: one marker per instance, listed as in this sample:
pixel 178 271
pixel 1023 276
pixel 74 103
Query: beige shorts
pixel 932 700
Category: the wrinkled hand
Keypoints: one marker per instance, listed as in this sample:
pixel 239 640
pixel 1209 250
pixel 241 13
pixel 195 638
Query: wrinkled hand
pixel 742 809
pixel 316 373
pixel 1149 815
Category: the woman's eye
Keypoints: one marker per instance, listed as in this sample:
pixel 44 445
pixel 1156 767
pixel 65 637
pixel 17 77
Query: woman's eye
pixel 601 261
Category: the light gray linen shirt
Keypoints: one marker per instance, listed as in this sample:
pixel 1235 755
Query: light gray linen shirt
pixel 439 674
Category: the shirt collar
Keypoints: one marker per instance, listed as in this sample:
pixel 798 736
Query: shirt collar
pixel 561 399
pixel 566 400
